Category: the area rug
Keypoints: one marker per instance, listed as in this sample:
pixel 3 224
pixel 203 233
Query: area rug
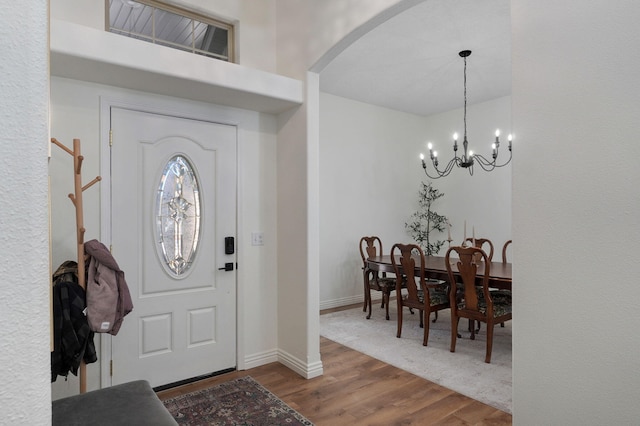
pixel 241 401
pixel 463 371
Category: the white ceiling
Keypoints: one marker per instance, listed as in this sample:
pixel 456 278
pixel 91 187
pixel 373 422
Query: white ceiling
pixel 410 63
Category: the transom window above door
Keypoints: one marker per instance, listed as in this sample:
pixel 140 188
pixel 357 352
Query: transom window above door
pixel 171 26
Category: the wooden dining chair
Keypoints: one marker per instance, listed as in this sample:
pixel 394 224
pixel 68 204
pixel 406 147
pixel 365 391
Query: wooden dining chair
pixel 425 295
pixel 503 295
pixel 371 247
pixel 504 251
pixel 485 244
pixel 475 302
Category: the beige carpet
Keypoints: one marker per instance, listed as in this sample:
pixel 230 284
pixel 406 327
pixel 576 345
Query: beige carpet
pixel 463 371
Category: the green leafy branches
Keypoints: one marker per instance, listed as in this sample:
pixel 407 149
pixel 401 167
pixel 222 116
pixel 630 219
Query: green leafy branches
pixel 425 221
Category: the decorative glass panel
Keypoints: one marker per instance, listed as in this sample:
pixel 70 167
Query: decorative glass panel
pixel 178 216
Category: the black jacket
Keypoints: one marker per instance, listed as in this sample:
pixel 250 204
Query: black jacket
pixel 72 338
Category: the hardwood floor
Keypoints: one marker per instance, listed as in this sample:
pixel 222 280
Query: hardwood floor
pixel 357 389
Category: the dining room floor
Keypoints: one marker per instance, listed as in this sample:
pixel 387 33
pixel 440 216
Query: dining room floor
pixel 463 371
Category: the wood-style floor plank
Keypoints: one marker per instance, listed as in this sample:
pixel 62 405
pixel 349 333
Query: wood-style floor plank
pixel 357 389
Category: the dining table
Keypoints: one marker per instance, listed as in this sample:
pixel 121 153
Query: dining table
pixel 436 268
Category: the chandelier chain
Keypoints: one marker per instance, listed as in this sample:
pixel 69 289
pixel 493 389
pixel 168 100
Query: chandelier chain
pixel 465 98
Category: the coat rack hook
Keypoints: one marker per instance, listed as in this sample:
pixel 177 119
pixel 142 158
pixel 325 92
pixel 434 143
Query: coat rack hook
pixel 56 142
pixel 79 166
pixel 96 180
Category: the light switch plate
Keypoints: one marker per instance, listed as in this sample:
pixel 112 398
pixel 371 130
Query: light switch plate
pixel 257 239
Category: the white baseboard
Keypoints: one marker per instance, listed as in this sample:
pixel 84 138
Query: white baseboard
pixel 350 300
pixel 308 371
pixel 262 358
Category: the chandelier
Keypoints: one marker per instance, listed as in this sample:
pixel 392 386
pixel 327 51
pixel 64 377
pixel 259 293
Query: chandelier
pixel 468 158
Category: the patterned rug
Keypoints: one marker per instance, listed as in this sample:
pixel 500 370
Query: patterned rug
pixel 241 401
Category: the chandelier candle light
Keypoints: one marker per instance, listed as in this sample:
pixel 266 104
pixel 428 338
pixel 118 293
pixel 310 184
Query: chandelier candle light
pixel 468 158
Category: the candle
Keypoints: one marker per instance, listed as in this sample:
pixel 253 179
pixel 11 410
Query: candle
pixel 448 231
pixel 473 235
pixel 465 231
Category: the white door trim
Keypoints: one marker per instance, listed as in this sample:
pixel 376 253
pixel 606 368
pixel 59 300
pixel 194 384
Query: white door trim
pixel 176 108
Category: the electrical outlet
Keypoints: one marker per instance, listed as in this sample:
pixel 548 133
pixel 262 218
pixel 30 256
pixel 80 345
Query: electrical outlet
pixel 257 239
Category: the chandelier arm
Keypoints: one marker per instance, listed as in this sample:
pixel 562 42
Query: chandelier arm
pixel 508 161
pixel 490 165
pixel 439 173
pixel 495 164
pixel 429 176
pixel 450 164
pixel 484 163
pixel 446 170
pixel 424 167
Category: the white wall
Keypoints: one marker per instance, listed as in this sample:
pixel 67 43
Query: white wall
pixel 576 212
pixel 24 247
pixel 368 186
pixel 370 175
pixel 75 114
pixel 305 32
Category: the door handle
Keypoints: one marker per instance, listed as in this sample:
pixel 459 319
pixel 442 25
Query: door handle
pixel 227 267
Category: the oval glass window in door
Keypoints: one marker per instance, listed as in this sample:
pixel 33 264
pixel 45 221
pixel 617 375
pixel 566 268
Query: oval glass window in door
pixel 177 216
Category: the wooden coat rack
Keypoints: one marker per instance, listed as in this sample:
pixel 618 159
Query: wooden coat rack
pixel 76 199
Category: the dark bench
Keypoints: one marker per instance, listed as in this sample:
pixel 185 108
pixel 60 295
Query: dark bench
pixel 133 403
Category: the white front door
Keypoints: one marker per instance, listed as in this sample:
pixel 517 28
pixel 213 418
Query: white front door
pixel 173 203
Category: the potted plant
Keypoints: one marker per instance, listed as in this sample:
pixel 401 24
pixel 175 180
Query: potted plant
pixel 425 221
